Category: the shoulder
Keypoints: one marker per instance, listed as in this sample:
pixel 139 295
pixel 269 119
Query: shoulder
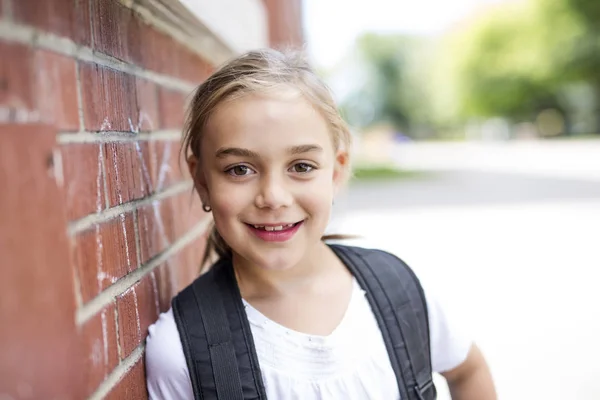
pixel 166 368
pixel 390 269
pixel 449 340
pixel 366 253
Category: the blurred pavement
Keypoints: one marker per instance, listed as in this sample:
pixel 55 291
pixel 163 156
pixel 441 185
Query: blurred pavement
pixel 507 236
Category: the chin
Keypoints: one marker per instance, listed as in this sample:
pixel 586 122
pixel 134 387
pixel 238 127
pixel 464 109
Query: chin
pixel 279 259
pixel 274 259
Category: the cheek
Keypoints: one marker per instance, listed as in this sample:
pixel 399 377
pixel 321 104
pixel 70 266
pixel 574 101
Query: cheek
pixel 223 193
pixel 225 205
pixel 225 199
pixel 318 198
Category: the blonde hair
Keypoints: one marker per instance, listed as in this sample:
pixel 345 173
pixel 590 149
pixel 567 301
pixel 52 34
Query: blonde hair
pixel 259 71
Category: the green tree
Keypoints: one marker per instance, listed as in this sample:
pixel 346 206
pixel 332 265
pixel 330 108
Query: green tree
pixel 502 65
pixel 518 59
pixel 391 89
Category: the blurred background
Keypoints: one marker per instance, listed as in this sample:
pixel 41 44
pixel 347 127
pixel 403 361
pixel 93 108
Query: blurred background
pixel 477 161
pixel 476 129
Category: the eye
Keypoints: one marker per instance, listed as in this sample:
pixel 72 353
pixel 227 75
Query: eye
pixel 302 168
pixel 239 170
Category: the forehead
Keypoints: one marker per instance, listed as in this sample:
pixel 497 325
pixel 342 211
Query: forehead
pixel 267 122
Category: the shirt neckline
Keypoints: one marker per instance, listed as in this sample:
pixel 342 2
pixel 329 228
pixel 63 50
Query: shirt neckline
pixel 259 320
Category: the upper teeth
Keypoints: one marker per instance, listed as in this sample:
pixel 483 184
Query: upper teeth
pixel 273 228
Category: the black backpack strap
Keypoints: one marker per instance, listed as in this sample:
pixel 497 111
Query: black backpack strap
pixel 216 338
pixel 399 305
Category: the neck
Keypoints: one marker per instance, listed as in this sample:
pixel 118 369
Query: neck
pixel 255 281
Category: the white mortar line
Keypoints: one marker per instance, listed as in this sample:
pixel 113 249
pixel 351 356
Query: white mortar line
pixel 79 99
pixel 36 38
pixel 91 220
pixel 77 287
pixel 94 306
pixel 118 334
pixel 118 373
pixel 203 41
pixel 117 136
pixel 136 232
pixel 104 156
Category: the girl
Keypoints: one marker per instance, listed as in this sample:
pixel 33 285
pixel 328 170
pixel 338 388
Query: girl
pixel 268 151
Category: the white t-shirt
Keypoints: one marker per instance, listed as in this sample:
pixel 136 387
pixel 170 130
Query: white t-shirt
pixel 350 363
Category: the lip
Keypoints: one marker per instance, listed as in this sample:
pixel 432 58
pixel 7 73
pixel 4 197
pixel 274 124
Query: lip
pixel 275 224
pixel 275 236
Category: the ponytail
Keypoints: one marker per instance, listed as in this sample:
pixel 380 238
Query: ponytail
pixel 216 248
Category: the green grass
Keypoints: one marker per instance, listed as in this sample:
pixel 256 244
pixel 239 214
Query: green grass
pixel 364 173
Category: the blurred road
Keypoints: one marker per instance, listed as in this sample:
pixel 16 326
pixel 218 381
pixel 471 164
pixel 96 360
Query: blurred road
pixel 508 237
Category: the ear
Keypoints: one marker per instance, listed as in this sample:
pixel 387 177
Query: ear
pixel 341 169
pixel 199 178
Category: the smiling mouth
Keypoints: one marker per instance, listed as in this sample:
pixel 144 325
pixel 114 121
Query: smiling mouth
pixel 274 228
pixel 281 232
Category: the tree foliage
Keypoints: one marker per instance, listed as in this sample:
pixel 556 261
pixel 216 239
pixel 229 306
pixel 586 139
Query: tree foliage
pixel 512 60
pixel 391 89
pixel 516 60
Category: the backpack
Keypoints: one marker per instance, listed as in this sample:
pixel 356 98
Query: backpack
pixel 219 349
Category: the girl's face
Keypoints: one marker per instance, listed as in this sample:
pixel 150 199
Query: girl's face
pixel 269 171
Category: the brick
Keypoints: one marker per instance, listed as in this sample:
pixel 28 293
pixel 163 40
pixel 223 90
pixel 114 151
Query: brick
pixel 173 271
pixel 109 99
pixel 148 302
pixel 82 172
pixel 104 253
pixel 132 386
pixel 166 164
pixel 147 101
pixel 99 337
pixel 184 63
pixel 144 153
pixel 138 308
pixel 38 338
pixel 157 52
pixel 181 270
pixel 177 67
pixel 188 212
pixel 166 284
pixel 125 178
pixel 39 85
pixel 16 77
pixel 156 228
pixel 193 68
pixel 189 262
pixel 116 30
pixel 129 322
pixel 165 221
pixel 69 18
pixel 56 85
pixel 171 105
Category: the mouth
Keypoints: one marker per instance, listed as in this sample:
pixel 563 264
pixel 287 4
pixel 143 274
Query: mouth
pixel 279 232
pixel 274 227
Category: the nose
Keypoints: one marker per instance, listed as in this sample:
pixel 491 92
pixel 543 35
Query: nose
pixel 273 193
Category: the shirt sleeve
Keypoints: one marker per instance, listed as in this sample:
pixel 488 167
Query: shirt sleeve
pixel 450 344
pixel 167 374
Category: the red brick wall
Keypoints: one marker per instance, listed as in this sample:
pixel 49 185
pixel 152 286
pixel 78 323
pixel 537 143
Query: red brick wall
pixel 285 23
pixel 99 224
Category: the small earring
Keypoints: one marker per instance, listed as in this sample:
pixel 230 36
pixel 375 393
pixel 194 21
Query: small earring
pixel 206 208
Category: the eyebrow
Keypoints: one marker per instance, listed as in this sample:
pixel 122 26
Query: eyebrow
pixel 235 151
pixel 240 152
pixel 305 148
